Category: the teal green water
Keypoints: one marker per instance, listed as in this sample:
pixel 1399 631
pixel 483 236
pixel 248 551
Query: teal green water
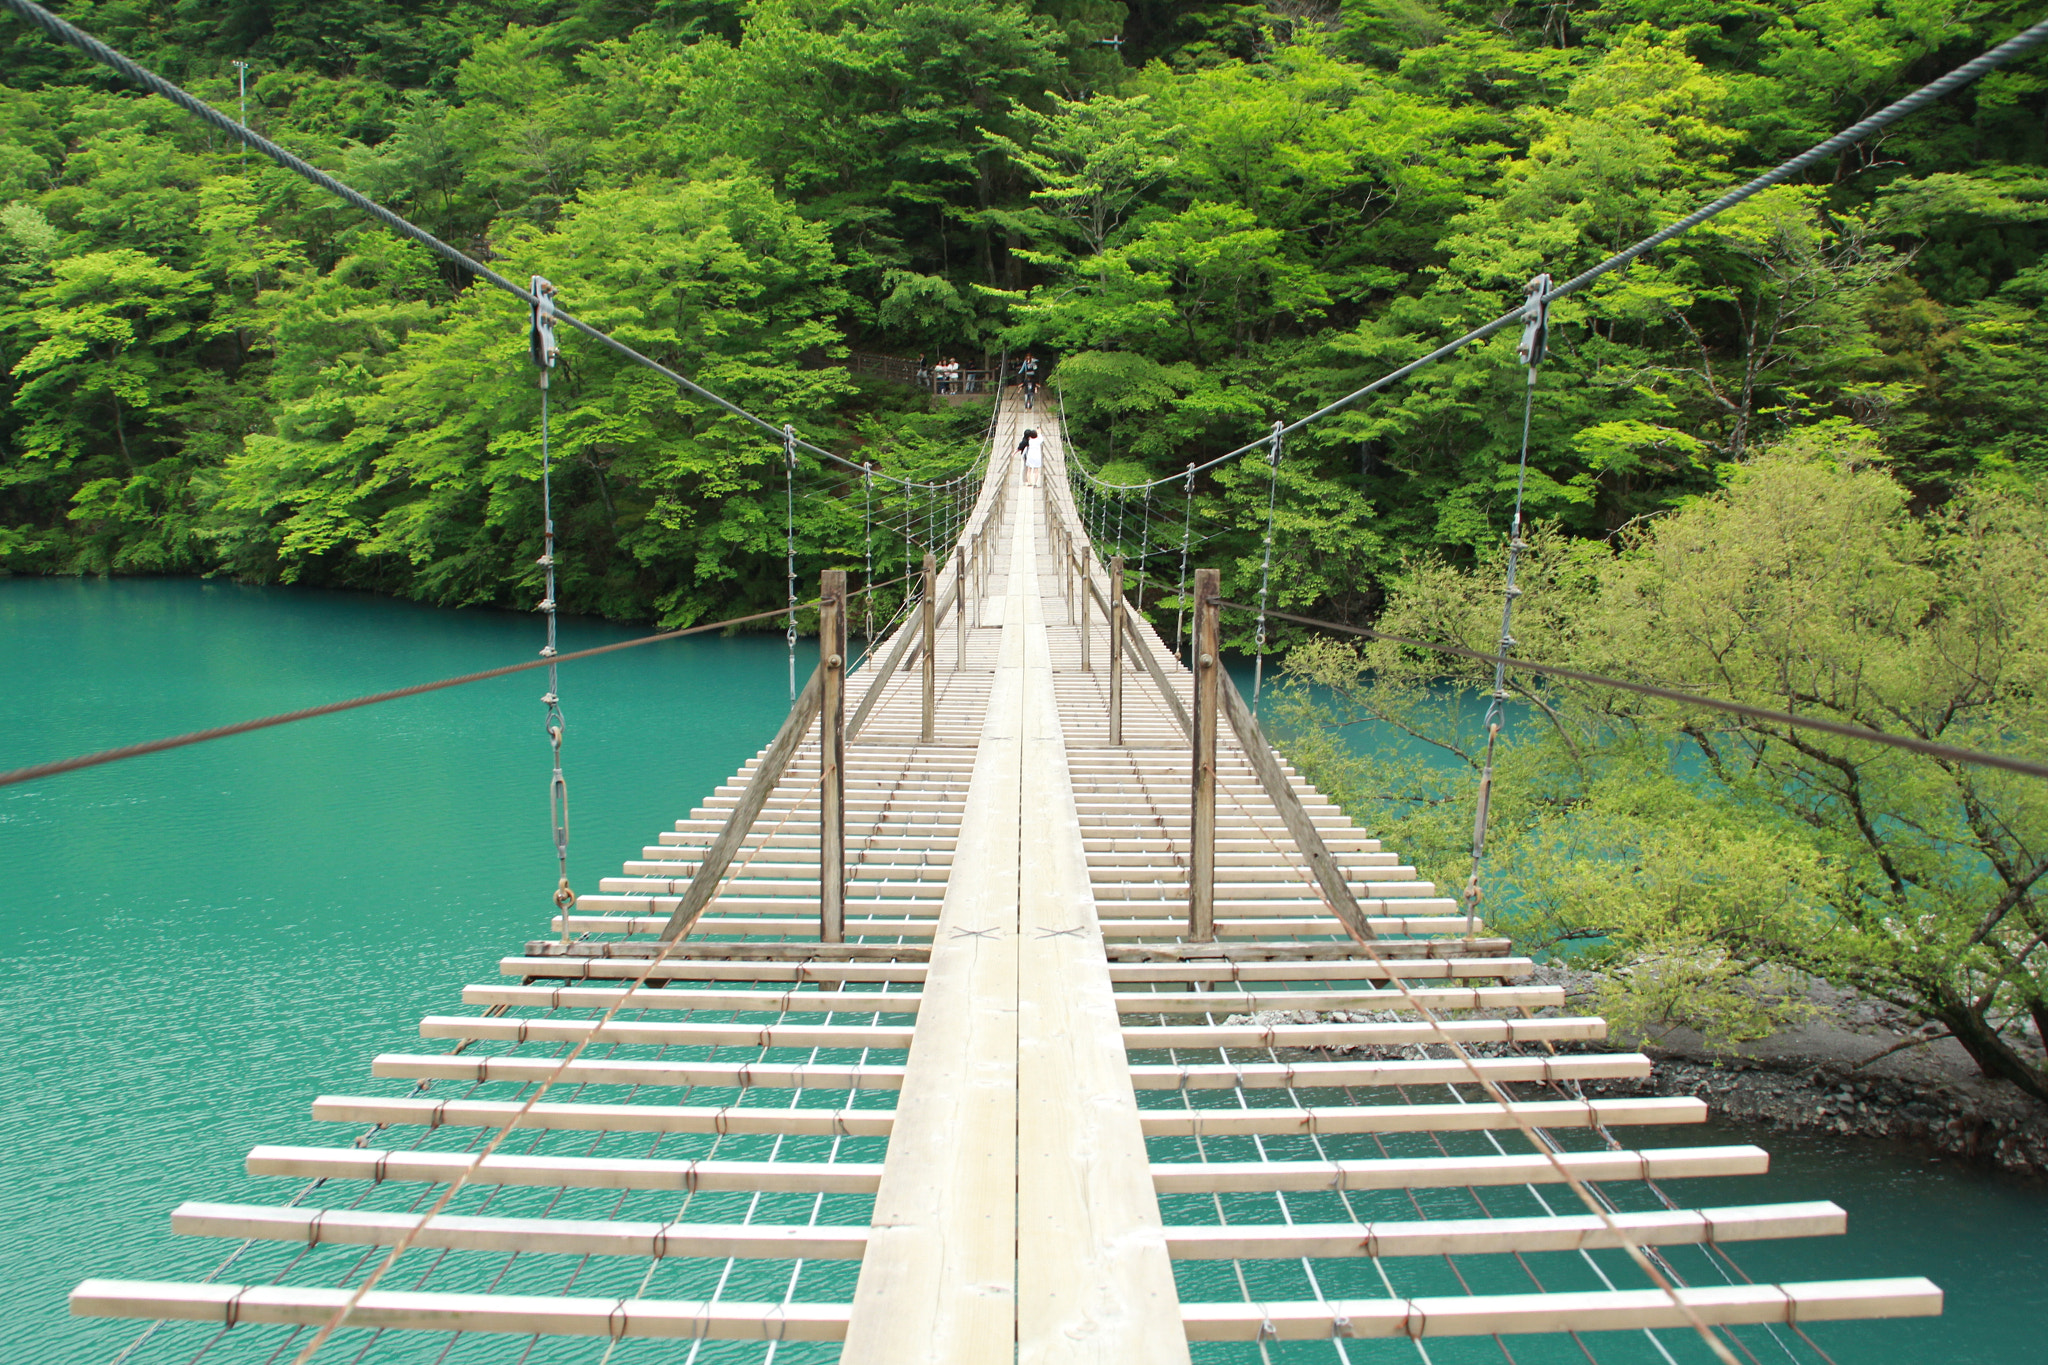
pixel 195 944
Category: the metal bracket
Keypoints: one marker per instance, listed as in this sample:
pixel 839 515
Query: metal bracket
pixel 540 337
pixel 1535 324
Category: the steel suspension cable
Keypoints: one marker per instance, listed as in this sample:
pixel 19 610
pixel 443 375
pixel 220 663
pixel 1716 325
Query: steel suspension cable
pixel 1791 720
pixel 1535 342
pixel 1186 526
pixel 1266 566
pixel 541 341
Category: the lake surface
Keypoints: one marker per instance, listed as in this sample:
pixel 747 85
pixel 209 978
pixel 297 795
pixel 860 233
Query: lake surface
pixel 194 944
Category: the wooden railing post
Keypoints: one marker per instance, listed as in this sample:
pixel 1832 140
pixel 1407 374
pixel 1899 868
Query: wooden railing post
pixel 1083 577
pixel 931 641
pixel 832 757
pixel 1116 650
pixel 1202 810
pixel 960 587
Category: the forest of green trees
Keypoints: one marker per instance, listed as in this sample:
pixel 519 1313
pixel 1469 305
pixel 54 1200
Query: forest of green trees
pixel 1209 215
pixel 1796 458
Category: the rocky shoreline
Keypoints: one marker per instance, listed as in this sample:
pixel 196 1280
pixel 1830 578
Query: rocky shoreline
pixel 1838 1073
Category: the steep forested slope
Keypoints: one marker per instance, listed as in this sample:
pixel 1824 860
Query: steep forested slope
pixel 1209 214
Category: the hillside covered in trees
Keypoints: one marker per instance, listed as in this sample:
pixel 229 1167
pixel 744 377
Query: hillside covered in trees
pixel 1210 215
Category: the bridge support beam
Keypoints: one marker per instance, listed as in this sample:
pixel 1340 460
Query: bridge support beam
pixel 1116 650
pixel 1208 652
pixel 931 644
pixel 832 756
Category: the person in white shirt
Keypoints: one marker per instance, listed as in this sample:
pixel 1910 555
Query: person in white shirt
pixel 1033 447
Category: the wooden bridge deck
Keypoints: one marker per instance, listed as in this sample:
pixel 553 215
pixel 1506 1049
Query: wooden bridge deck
pixel 1016 1114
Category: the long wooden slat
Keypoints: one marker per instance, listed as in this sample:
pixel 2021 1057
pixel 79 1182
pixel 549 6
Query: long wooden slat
pixel 605 1173
pixel 1247 1002
pixel 605 1118
pixel 528 1236
pixel 1405 1173
pixel 1357 1035
pixel 771 1002
pixel 1094 1280
pixel 938 1283
pixel 664 1034
pixel 1476 1236
pixel 719 856
pixel 1612 1311
pixel 526 1314
pixel 1260 1075
pixel 1421 1118
pixel 622 1071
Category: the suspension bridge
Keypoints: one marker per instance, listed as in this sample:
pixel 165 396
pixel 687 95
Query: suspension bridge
pixel 1016 1001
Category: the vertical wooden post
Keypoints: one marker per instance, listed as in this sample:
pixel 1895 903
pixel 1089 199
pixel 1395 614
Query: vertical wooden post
pixel 832 757
pixel 1082 577
pixel 1202 810
pixel 960 586
pixel 1116 650
pixel 931 642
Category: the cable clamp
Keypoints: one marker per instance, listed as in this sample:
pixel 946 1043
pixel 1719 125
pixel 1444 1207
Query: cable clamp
pixel 1340 1326
pixel 540 338
pixel 1535 324
pixel 547 651
pixel 545 604
pixel 546 561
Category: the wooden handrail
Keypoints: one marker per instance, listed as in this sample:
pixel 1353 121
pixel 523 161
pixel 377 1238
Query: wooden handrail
pixel 1327 874
pixel 719 856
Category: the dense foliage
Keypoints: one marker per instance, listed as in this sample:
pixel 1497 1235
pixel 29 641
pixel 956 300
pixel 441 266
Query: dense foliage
pixel 1713 872
pixel 1241 210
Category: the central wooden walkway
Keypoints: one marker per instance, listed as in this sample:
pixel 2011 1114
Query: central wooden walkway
pixel 1020 1112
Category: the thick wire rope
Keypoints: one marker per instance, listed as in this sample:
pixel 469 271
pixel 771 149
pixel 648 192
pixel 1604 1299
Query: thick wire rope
pixel 541 338
pixel 1266 566
pixel 1791 720
pixel 70 33
pixel 240 727
pixel 1531 352
pixel 1181 594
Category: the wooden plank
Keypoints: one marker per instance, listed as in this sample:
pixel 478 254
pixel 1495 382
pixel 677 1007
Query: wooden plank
pixel 680 953
pixel 774 1002
pixel 1227 1003
pixel 521 1313
pixel 739 967
pixel 626 1071
pixel 1385 950
pixel 604 1173
pixel 1407 1173
pixel 1207 653
pixel 605 1118
pixel 1609 1311
pixel 1238 971
pixel 716 858
pixel 1115 613
pixel 1476 1236
pixel 1419 1118
pixel 832 757
pixel 529 1236
pixel 1094 1280
pixel 929 627
pixel 938 1283
pixel 667 1034
pixel 1266 1075
pixel 1574 1029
